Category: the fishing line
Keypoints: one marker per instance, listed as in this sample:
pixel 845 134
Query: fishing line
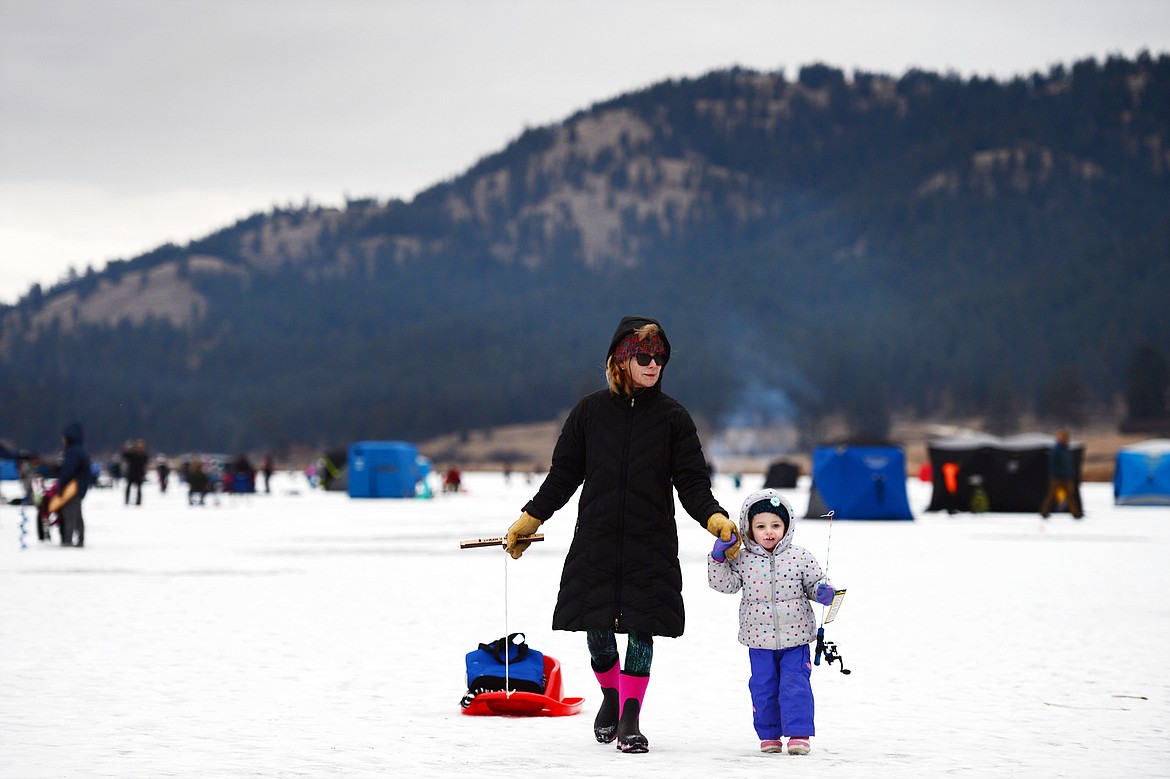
pixel 507 641
pixel 828 551
pixel 828 648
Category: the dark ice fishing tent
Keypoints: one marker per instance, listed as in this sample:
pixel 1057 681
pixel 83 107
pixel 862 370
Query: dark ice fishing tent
pixel 859 482
pixel 1000 474
pixel 384 469
pixel 782 475
pixel 1141 476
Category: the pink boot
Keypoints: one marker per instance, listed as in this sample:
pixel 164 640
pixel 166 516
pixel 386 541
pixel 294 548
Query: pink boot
pixel 605 725
pixel 632 691
pixel 798 745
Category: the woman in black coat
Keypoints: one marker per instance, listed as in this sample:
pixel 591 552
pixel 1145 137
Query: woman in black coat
pixel 629 444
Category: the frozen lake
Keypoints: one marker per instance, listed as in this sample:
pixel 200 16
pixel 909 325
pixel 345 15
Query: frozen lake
pixel 308 634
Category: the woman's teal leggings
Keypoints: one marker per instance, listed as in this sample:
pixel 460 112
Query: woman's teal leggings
pixel 604 653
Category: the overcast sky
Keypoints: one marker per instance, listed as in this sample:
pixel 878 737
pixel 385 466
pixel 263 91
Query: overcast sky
pixel 125 124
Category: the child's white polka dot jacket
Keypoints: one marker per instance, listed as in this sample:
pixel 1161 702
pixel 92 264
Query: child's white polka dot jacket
pixel 774 612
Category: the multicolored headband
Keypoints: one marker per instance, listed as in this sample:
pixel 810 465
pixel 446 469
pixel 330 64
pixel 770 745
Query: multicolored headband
pixel 630 345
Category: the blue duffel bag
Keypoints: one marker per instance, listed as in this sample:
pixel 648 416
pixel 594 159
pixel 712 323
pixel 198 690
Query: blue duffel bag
pixel 486 671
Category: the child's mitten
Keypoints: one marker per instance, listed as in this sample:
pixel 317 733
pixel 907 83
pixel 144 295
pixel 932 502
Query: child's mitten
pixel 719 551
pixel 824 594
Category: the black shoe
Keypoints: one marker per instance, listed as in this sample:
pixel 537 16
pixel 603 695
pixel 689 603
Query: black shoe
pixel 605 725
pixel 629 735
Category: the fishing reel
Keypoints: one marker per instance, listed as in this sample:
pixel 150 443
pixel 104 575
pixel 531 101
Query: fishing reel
pixel 830 652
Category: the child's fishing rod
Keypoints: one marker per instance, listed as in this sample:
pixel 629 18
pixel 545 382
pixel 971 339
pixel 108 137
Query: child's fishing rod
pixel 828 648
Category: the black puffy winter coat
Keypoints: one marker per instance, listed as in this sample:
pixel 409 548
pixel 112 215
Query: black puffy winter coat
pixel 622 569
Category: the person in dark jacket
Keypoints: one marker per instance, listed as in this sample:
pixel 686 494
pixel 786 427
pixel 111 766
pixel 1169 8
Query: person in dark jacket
pixel 73 482
pixel 198 483
pixel 267 468
pixel 1062 477
pixel 135 456
pixel 625 446
pixel 163 469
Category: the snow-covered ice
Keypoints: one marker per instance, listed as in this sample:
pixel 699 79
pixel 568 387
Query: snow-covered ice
pixel 309 634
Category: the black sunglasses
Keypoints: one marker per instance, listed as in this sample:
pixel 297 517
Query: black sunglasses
pixel 644 359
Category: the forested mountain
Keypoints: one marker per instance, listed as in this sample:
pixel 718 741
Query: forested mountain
pixel 924 243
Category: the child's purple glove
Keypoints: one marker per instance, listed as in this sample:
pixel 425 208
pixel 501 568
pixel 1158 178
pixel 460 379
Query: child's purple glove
pixel 824 594
pixel 722 546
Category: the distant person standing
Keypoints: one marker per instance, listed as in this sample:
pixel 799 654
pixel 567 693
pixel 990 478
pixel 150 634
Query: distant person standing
pixel 31 481
pixel 73 482
pixel 1062 477
pixel 198 483
pixel 163 468
pixel 135 457
pixel 242 477
pixel 267 468
pixel 26 465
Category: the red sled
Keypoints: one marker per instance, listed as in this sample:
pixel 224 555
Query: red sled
pixel 518 703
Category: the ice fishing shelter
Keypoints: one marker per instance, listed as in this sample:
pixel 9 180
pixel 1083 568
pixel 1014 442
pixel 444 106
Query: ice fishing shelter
pixel 1010 473
pixel 782 475
pixel 384 469
pixel 859 482
pixel 8 467
pixel 1141 476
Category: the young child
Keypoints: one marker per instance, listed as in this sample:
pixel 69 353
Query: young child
pixel 776 622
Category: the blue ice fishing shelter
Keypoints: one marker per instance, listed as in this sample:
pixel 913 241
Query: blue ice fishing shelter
pixel 384 469
pixel 1141 476
pixel 859 482
pixel 8 467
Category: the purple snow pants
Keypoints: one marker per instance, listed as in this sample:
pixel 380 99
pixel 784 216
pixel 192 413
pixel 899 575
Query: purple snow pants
pixel 782 699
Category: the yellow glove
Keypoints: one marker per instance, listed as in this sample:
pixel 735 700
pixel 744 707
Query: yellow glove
pixel 723 528
pixel 525 526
